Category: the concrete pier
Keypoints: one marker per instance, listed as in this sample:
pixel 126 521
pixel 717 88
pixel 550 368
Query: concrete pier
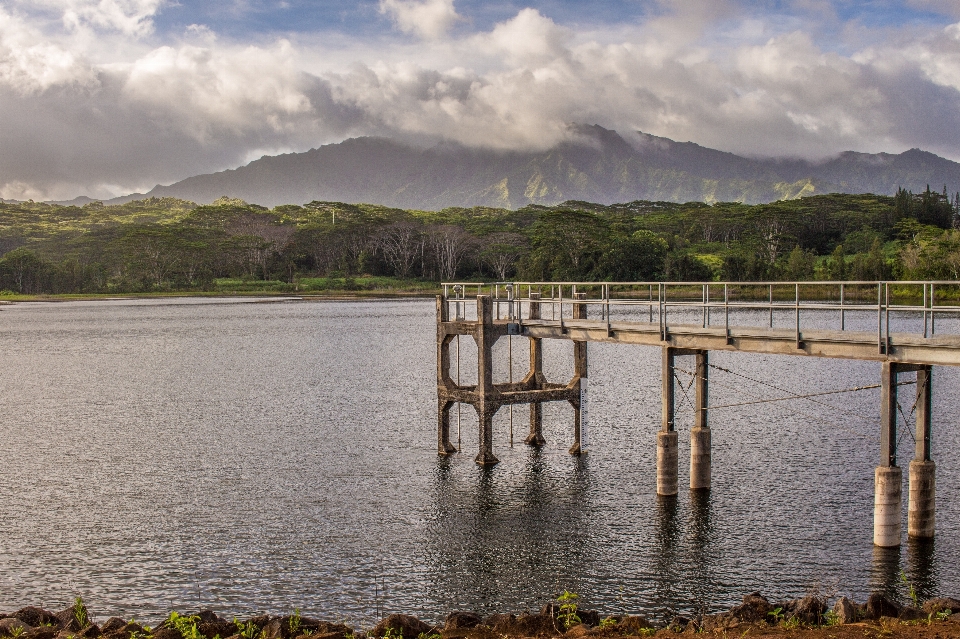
pixel 921 510
pixel 486 397
pixel 888 477
pixel 535 378
pixel 580 383
pixel 667 454
pixel 700 439
pixel 652 314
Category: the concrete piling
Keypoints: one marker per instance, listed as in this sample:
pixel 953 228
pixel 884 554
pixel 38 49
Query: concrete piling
pixel 667 459
pixel 700 438
pixel 579 383
pixel 921 509
pixel 888 478
pixel 535 378
pixel 667 450
pixel 887 507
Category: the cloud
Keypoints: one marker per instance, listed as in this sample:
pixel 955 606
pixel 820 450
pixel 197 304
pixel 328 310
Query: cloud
pixel 130 17
pixel 77 119
pixel 429 19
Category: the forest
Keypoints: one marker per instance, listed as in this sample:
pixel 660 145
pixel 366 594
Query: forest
pixel 167 245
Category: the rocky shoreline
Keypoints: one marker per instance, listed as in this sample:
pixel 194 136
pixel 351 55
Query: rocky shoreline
pixel 809 616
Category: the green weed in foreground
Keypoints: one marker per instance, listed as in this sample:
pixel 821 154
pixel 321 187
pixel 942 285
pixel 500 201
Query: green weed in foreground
pixel 187 626
pixel 80 612
pixel 568 609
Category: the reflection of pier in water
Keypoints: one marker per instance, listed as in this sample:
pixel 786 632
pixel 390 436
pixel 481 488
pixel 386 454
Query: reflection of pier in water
pixel 870 321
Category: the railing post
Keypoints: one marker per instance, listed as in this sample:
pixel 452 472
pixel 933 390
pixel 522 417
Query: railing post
pixel 771 304
pixel 796 305
pixel 580 433
pixel 880 317
pixel 843 325
pixel 726 312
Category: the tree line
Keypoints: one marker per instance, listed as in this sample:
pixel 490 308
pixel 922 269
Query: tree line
pixel 164 244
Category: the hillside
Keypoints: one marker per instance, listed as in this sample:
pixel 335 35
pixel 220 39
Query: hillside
pixel 602 167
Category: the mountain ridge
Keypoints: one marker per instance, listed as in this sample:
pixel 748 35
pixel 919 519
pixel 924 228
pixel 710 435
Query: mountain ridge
pixel 599 165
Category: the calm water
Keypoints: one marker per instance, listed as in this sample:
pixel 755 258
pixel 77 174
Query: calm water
pixel 259 456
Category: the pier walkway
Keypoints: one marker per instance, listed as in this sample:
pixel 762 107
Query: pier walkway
pixel 908 327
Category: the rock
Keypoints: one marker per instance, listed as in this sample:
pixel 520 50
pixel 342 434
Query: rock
pixel 845 610
pixel 878 606
pixel 41 632
pixel 535 626
pixel 456 620
pixel 90 631
pixel 755 607
pixel 678 624
pixel 633 625
pixel 589 617
pixel 579 630
pixel 324 630
pixel 407 625
pixel 273 629
pixel 163 632
pixel 222 628
pixel 36 617
pixel 941 604
pixel 112 625
pixel 809 610
pixel 11 625
pixel 499 621
pixel 909 613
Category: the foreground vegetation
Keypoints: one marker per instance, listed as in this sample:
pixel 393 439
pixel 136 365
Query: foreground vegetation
pixel 162 245
pixel 564 617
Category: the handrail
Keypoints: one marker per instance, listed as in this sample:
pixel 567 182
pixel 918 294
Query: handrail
pixel 915 297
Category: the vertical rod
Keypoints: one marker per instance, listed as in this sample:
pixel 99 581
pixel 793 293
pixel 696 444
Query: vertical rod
pixel 703 305
pixel 880 317
pixel 886 342
pixel 650 305
pixel 888 414
pixel 726 312
pixel 924 310
pixel 796 306
pixel 510 374
pixel 933 314
pixel 843 325
pixel 459 404
pixel 708 305
pixel 770 302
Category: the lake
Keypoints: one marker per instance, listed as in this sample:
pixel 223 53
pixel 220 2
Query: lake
pixel 252 456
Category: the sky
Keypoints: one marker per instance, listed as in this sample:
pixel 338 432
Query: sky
pixel 108 97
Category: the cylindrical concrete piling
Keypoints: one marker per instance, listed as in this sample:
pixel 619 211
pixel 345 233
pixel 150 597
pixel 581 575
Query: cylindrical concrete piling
pixel 887 509
pixel 700 458
pixel 921 508
pixel 667 460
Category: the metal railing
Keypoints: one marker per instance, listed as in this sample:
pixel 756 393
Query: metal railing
pixel 682 303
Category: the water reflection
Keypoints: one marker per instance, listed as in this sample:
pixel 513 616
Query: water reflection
pixel 921 569
pixel 682 565
pixel 701 534
pixel 885 571
pixel 504 539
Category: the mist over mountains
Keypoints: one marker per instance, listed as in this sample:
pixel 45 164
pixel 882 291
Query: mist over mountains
pixel 601 166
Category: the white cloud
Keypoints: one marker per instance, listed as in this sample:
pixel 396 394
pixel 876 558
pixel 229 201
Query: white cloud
pixel 130 17
pixel 29 63
pixel 78 120
pixel 430 19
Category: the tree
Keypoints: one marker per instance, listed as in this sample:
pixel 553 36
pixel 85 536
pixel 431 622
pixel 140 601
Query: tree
pixel 400 244
pixel 638 258
pixel 450 245
pixel 501 252
pixel 23 268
